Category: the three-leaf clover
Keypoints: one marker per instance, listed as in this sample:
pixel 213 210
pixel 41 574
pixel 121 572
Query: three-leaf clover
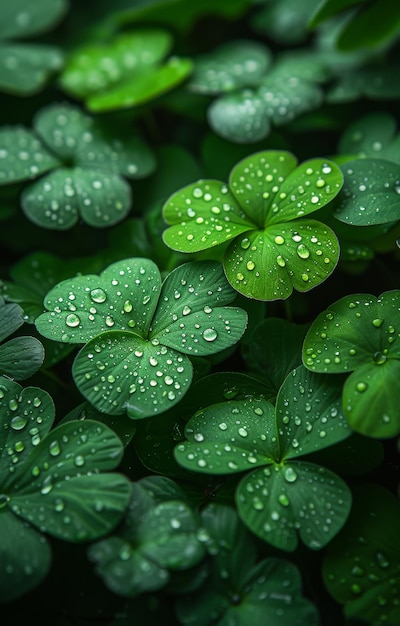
pixel 20 357
pixel 284 496
pixel 24 67
pixel 89 168
pixel 50 482
pixel 272 248
pixel 239 590
pixel 138 331
pixel 250 95
pixel 360 334
pixel 126 72
pixel 158 535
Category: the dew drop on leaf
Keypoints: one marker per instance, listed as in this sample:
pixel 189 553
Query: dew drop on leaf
pixel 210 334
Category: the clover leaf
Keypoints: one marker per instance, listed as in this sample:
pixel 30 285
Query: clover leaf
pixel 374 136
pixel 361 569
pixel 50 483
pixel 126 72
pixel 20 357
pixel 138 331
pixel 271 250
pixel 360 334
pixel 24 67
pixel 89 168
pixel 157 535
pixel 250 94
pixel 370 193
pixel 239 590
pixel 284 496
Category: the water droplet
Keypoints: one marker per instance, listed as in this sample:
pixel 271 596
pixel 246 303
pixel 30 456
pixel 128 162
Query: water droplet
pixel 361 387
pixel 54 448
pixel 72 320
pixel 283 499
pixel 128 306
pixel 245 243
pixel 186 310
pixel 289 475
pixel 79 460
pixel 377 322
pixel 18 422
pixel 98 295
pixel 302 251
pixel 250 265
pixel 379 358
pixel 279 240
pixel 281 261
pixel 210 334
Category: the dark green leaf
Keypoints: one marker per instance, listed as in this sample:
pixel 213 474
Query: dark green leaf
pixel 21 357
pixel 361 569
pixel 22 155
pixel 11 318
pixel 22 18
pixel 370 193
pixel 120 372
pixel 25 557
pixel 24 68
pixel 374 24
pixel 240 117
pixel 303 498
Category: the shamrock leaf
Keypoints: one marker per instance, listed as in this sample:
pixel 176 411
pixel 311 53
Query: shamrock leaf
pixel 24 67
pixel 126 72
pixel 284 496
pixel 370 193
pixel 50 483
pixel 157 535
pixel 360 334
pixel 91 166
pixel 372 136
pixel 20 357
pixel 251 95
pixel 266 196
pixel 361 568
pixel 138 331
pixel 238 589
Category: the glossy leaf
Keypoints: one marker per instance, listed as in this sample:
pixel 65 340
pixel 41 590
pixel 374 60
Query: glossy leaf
pixel 25 557
pixel 370 193
pixel 239 117
pixel 123 297
pixel 372 136
pixel 158 534
pixel 361 568
pixel 266 193
pixel 11 318
pixel 25 68
pixel 359 333
pixel 267 265
pixel 203 215
pixel 120 372
pixel 61 476
pixel 302 498
pixel 22 155
pixel 21 357
pixel 231 66
pixel 129 76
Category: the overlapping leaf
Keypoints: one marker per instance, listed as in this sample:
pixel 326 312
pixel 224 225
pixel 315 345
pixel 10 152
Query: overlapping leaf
pixel 270 253
pixel 284 495
pixel 125 72
pixel 360 334
pixel 20 357
pixel 138 332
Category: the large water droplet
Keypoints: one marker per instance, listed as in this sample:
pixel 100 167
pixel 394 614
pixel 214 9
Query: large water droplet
pixel 210 334
pixel 302 251
pixel 72 320
pixel 98 295
pixel 18 422
pixel 289 475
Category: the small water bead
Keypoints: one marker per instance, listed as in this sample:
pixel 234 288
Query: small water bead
pixel 289 474
pixel 379 358
pixel 128 306
pixel 250 265
pixel 186 310
pixel 13 404
pixel 79 460
pixel 98 295
pixel 361 387
pixel 54 448
pixel 72 320
pixel 281 261
pixel 283 499
pixel 245 243
pixel 279 240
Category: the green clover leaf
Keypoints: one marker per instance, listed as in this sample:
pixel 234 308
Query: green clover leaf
pixel 90 167
pixel 360 334
pixel 158 535
pixel 25 67
pixel 370 193
pixel 372 136
pixel 20 357
pixel 361 568
pixel 238 589
pixel 266 196
pixel 138 331
pixel 126 72
pixel 50 483
pixel 284 496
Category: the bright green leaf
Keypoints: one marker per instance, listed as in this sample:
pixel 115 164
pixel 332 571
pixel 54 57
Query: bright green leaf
pixel 25 68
